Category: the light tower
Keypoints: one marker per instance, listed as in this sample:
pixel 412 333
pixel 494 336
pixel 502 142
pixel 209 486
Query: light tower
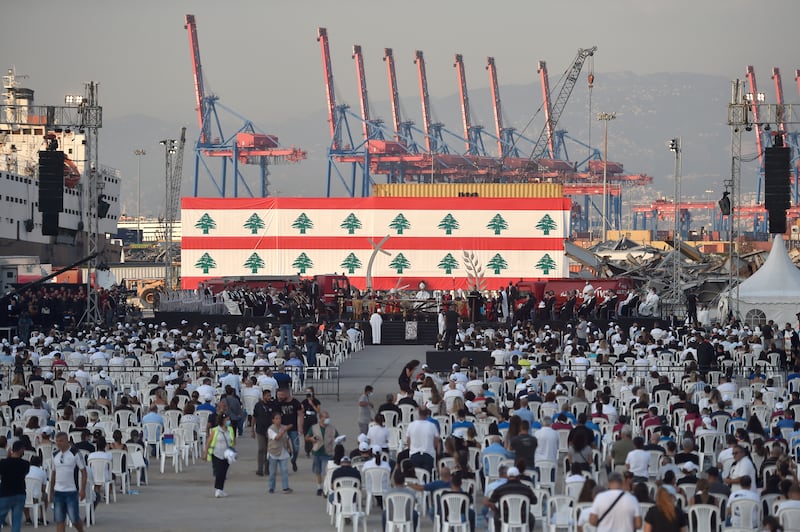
pixel 675 147
pixel 605 118
pixel 139 152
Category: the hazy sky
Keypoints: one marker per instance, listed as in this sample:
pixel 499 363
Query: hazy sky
pixel 263 55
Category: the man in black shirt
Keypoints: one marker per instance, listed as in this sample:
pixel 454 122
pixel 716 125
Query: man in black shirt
pixel 450 329
pixel 12 485
pixel 345 470
pixel 262 419
pixel 524 445
pixel 389 405
pixel 512 486
pixel 291 415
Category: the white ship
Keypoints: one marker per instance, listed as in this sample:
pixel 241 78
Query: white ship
pixel 26 129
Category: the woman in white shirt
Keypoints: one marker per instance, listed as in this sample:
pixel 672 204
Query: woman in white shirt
pixel 378 434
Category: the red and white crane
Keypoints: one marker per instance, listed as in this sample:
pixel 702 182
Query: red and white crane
pixel 776 77
pixel 394 95
pixel 754 96
pixel 419 60
pixel 498 113
pixel 466 122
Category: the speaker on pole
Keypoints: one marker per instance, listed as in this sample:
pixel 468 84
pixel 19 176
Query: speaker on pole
pixel 49 223
pixel 777 221
pixel 102 207
pixel 777 183
pixel 51 181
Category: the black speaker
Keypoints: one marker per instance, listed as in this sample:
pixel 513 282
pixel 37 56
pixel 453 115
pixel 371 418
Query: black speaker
pixel 51 181
pixel 777 221
pixel 50 223
pixel 777 183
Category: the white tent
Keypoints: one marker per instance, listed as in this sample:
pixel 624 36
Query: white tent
pixel 773 292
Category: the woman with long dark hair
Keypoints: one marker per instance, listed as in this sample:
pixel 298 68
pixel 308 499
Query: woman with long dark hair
pixel 404 380
pixel 665 516
pixel 220 439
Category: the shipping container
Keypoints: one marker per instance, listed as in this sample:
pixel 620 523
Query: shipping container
pixel 455 190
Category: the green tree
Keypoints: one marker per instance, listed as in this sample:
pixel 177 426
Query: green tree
pixel 497 263
pixel 546 224
pixel 351 262
pixel 399 263
pixel 351 223
pixel 497 223
pixel 400 223
pixel 546 263
pixel 302 263
pixel 205 263
pixel 254 223
pixel 448 264
pixel 448 223
pixel 205 223
pixel 302 223
pixel 254 262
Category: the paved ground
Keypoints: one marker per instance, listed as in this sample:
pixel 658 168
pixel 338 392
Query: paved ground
pixel 184 501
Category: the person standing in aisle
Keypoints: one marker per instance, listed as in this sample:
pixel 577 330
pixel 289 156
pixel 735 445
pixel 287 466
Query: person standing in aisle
pixel 220 439
pixel 279 451
pixel 311 409
pixel 322 437
pixel 262 418
pixel 365 408
pixel 12 485
pixel 66 494
pixel 291 416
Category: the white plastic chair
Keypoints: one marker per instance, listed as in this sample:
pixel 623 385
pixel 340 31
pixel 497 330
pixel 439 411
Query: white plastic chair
pixel 170 448
pixel 559 511
pixel 119 468
pixel 745 513
pixel 454 514
pixel 376 483
pixel 152 436
pixel 789 518
pixel 136 462
pixel 347 504
pixel 399 508
pixel 515 513
pixel 34 501
pixel 703 518
pixel 101 472
pixel 547 474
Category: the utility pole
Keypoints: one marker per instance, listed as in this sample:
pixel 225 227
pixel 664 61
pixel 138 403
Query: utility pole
pixel 675 147
pixel 138 153
pixel 605 118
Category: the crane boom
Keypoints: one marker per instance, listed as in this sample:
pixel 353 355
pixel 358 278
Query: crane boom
pixel 197 71
pixel 419 60
pixel 751 80
pixel 545 140
pixel 797 79
pixel 776 77
pixel 322 38
pixel 498 114
pixel 462 90
pixel 548 120
pixel 388 57
pixel 362 89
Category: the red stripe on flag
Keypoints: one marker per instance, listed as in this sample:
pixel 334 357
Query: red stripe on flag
pixel 361 242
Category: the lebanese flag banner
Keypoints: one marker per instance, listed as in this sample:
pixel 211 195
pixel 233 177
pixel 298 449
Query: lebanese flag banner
pixel 442 241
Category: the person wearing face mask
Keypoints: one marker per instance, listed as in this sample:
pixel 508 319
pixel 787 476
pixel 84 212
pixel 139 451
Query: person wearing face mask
pixel 220 438
pixel 365 408
pixel 311 408
pixel 322 437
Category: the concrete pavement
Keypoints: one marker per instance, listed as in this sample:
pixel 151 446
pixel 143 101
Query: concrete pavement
pixel 185 501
